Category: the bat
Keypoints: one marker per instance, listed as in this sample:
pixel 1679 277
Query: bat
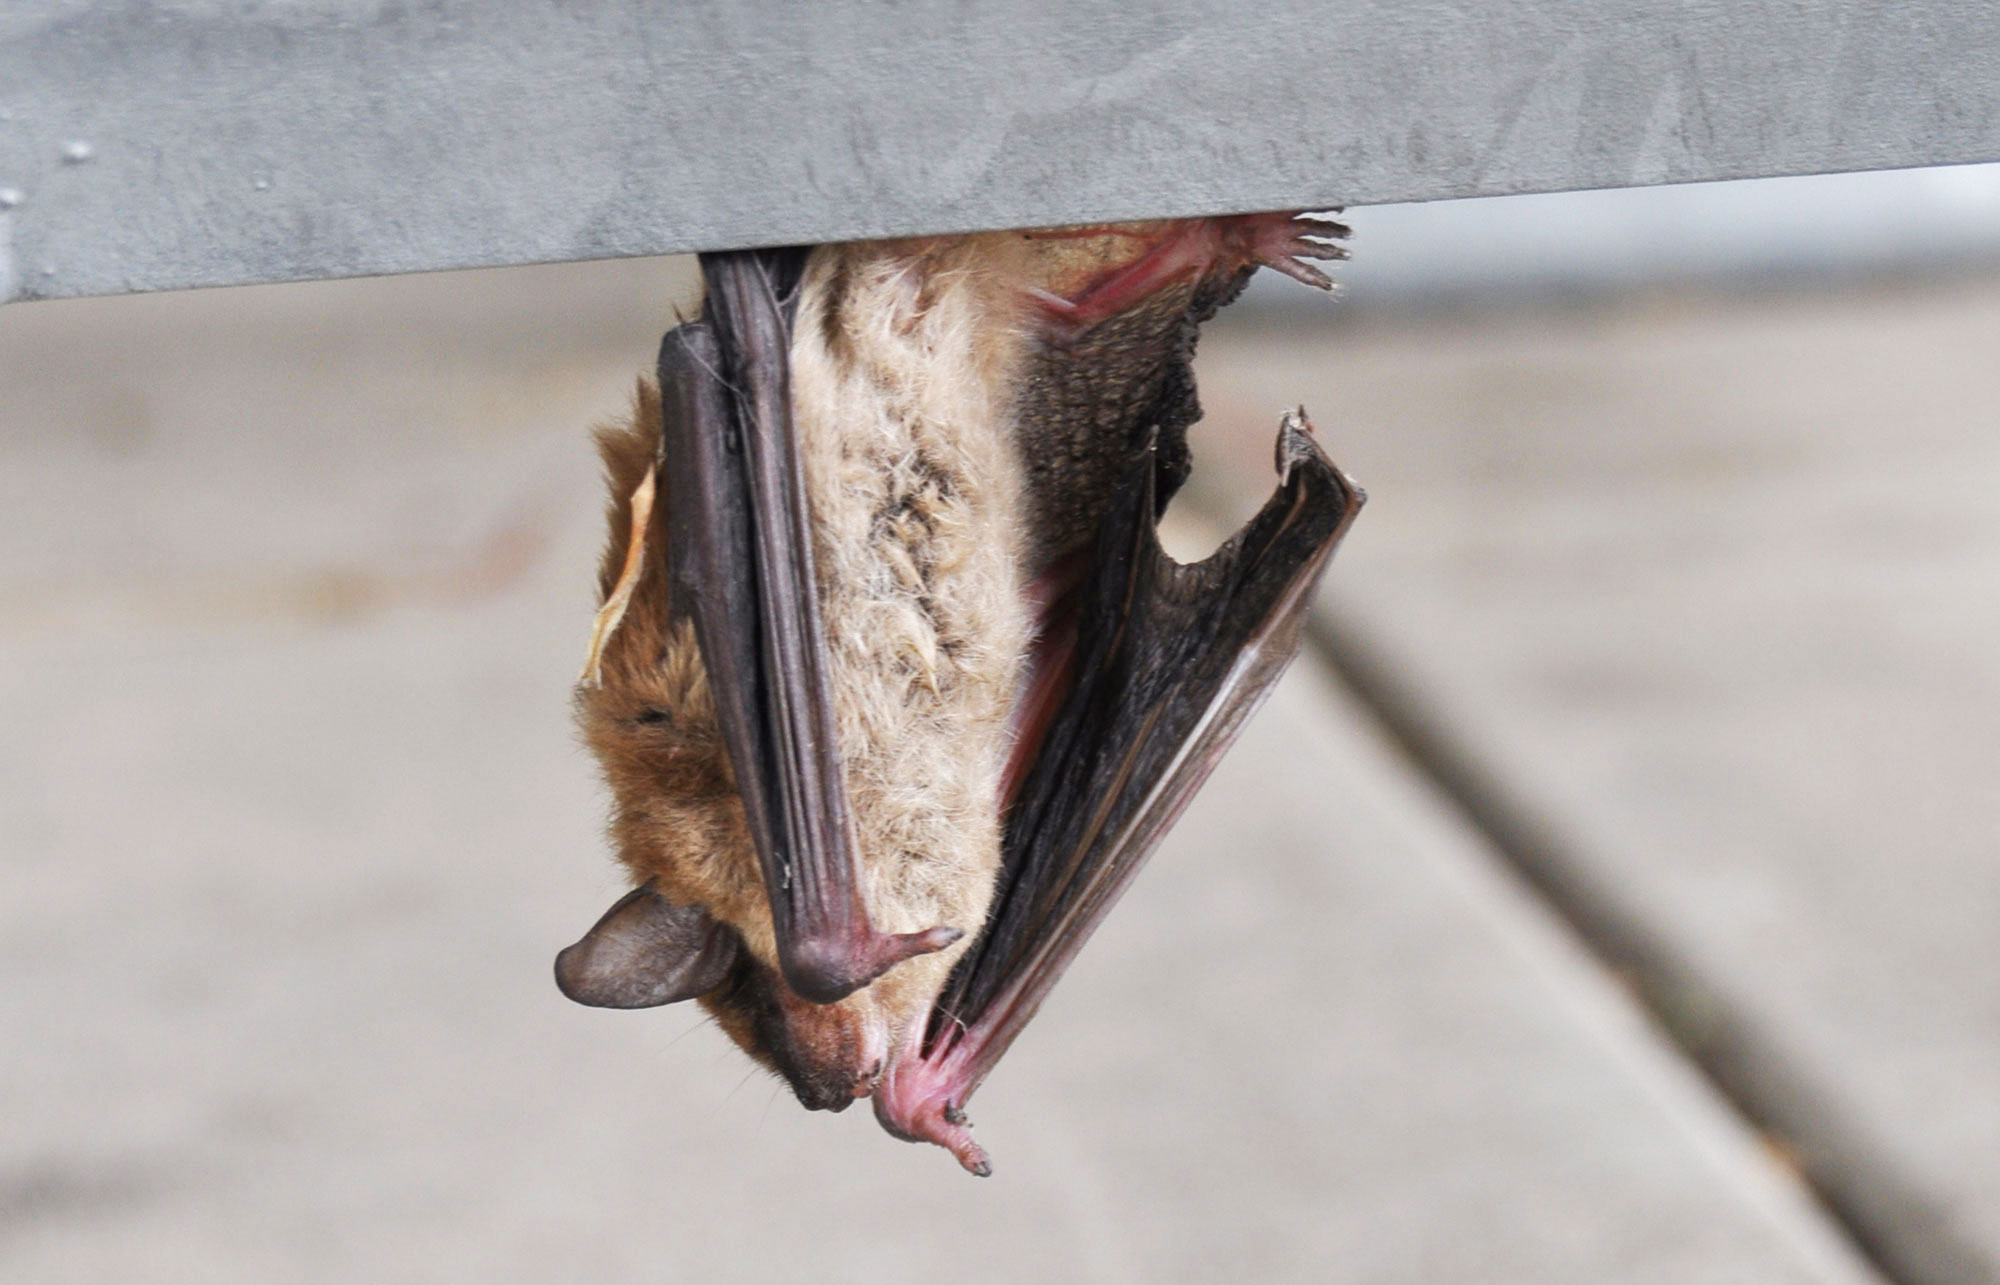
pixel 892 685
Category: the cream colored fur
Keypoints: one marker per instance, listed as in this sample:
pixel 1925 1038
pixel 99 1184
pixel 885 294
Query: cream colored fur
pixel 902 387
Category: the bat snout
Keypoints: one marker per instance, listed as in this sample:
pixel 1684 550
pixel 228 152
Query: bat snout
pixel 827 1090
pixel 830 1054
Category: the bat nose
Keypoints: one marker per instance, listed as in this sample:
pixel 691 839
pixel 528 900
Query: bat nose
pixel 825 1052
pixel 832 1090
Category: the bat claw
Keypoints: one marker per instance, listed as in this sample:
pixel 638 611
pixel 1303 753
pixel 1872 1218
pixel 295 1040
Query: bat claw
pixel 1281 240
pixel 825 970
pixel 1284 241
pixel 904 946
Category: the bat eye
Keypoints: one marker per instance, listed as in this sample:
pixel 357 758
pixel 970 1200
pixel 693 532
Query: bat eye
pixel 648 717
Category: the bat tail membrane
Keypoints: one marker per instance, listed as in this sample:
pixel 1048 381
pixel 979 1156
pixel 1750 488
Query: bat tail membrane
pixel 1169 661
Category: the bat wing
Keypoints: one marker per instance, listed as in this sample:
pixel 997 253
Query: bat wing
pixel 1169 662
pixel 741 567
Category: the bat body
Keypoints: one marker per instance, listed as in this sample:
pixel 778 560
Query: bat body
pixel 892 687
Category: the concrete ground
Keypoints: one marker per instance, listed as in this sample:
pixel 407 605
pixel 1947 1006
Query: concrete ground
pixel 293 583
pixel 1697 607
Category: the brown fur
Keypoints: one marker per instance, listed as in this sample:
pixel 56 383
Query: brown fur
pixel 676 817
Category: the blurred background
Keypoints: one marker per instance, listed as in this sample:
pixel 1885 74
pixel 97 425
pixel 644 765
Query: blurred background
pixel 1608 896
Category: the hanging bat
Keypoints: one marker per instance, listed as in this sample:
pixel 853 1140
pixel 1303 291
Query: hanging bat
pixel 892 684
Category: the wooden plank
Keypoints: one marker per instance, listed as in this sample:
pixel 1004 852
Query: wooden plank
pixel 149 146
pixel 1696 602
pixel 294 821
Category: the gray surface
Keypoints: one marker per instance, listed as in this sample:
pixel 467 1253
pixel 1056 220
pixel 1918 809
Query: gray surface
pixel 156 145
pixel 291 819
pixel 1564 247
pixel 1701 603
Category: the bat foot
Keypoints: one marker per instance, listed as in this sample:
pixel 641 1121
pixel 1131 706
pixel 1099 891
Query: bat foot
pixel 1284 241
pixel 1281 240
pixel 948 1128
pixel 916 1101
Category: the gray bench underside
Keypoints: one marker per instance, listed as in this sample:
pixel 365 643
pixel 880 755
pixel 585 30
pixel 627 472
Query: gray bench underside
pixel 165 145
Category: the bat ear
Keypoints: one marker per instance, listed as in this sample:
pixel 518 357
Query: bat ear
pixel 646 951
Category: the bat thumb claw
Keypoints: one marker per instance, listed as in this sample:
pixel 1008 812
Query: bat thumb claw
pixel 824 972
pixel 910 945
pixel 888 951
